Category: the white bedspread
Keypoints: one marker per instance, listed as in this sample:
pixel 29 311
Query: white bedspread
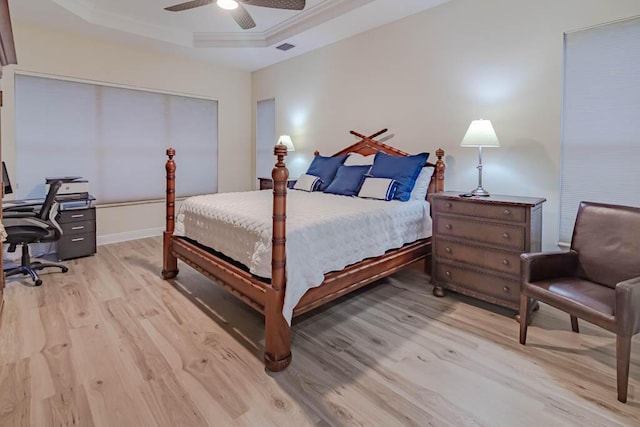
pixel 325 232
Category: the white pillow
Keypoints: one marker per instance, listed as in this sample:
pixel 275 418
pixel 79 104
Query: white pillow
pixel 355 159
pixel 307 183
pixel 419 191
pixel 378 188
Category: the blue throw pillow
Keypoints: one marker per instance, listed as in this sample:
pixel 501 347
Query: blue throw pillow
pixel 325 168
pixel 348 180
pixel 403 169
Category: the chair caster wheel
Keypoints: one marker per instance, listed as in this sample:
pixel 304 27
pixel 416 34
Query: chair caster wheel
pixel 65 269
pixel 38 282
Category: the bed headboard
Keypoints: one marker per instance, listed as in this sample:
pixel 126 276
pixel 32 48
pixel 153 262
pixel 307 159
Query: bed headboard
pixel 368 145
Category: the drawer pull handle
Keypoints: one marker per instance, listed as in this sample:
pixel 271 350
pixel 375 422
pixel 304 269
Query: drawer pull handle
pixel 80 227
pixel 448 227
pixel 77 216
pixel 506 235
pixel 506 289
pixel 447 273
pixel 507 212
pixel 449 205
pixel 448 250
pixel 78 239
pixel 505 262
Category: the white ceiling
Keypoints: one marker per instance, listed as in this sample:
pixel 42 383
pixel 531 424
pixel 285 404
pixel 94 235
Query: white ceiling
pixel 209 33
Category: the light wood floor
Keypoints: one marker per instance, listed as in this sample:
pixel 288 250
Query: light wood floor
pixel 111 344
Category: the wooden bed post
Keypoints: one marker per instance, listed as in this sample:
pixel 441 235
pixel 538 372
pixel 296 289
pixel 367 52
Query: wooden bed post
pixel 277 348
pixel 169 261
pixel 439 171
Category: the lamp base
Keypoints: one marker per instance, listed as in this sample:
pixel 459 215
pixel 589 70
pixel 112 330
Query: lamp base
pixel 480 192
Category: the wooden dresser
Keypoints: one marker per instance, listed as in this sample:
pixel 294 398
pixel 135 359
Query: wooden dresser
pixel 477 242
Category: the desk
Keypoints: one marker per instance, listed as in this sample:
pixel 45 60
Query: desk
pixel 78 225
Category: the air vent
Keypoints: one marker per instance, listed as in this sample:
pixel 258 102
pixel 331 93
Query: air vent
pixel 285 47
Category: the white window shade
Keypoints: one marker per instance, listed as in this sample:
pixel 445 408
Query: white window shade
pixel 113 137
pixel 601 119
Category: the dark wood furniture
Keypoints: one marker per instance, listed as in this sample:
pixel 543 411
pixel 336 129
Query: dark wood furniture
pixel 267 183
pixel 477 242
pixel 268 297
pixel 597 280
pixel 78 233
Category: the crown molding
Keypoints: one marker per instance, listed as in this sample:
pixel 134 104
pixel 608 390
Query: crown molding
pixel 87 10
pixel 307 19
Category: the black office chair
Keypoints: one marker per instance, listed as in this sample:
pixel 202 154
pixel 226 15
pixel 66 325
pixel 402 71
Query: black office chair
pixel 25 226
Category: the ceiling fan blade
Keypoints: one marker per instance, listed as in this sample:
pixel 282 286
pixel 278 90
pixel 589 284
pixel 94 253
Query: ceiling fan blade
pixel 243 18
pixel 188 5
pixel 277 4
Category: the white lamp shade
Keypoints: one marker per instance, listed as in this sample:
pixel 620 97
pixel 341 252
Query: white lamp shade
pixel 286 141
pixel 480 134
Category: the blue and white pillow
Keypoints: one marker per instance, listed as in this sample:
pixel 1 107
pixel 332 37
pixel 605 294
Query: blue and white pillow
pixel 325 168
pixel 378 188
pixel 348 180
pixel 307 183
pixel 403 169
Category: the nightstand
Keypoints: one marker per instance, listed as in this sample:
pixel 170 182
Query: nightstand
pixel 477 242
pixel 267 183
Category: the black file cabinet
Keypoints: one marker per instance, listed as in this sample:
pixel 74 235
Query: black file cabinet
pixel 78 233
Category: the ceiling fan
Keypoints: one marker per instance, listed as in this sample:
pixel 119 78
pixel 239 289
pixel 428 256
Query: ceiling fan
pixel 238 12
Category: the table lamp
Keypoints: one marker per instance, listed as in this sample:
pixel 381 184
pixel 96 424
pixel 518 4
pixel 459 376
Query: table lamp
pixel 286 141
pixel 480 134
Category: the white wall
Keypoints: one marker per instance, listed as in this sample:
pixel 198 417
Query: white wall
pixel 427 76
pixel 61 54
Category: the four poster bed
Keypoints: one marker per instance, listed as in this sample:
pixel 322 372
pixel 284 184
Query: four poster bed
pixel 267 295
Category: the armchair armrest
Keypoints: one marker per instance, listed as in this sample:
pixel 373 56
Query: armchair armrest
pixel 547 265
pixel 628 307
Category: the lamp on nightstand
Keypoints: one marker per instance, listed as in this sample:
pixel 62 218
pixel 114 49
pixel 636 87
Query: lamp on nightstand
pixel 480 134
pixel 287 142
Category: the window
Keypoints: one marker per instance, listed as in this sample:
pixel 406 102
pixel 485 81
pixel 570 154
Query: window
pixel 113 137
pixel 601 119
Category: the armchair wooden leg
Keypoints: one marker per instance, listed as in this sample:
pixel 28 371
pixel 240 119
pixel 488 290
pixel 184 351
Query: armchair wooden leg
pixel 623 353
pixel 574 324
pixel 524 317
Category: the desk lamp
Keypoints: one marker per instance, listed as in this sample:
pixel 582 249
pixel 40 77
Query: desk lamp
pixel 480 134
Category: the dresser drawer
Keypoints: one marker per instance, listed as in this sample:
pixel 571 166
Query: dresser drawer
pixel 477 282
pixel 74 215
pixel 506 262
pixel 482 210
pixel 78 227
pixel 76 245
pixel 502 235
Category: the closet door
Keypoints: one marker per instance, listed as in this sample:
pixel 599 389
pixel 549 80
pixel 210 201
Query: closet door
pixel 265 137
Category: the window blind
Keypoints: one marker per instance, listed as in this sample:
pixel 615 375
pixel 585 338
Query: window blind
pixel 113 137
pixel 601 119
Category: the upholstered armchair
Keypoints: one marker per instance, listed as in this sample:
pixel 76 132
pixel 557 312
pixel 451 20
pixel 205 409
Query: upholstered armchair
pixel 597 280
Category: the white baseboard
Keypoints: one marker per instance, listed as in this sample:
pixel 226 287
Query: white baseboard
pixel 129 235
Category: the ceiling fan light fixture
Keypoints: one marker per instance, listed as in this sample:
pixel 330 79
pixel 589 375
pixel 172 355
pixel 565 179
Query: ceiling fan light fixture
pixel 227 4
